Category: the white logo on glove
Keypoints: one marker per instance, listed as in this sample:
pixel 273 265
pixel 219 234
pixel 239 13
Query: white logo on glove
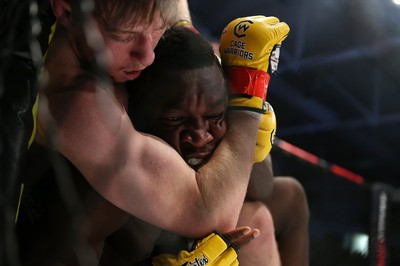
pixel 274 59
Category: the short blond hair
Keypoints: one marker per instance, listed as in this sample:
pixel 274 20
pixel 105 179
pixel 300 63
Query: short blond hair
pixel 113 14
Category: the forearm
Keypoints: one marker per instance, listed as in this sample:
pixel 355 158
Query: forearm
pixel 261 181
pixel 160 188
pixel 249 76
pixel 188 203
pixel 223 181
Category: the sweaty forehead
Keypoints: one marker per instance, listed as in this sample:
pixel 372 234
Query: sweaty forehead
pixel 184 84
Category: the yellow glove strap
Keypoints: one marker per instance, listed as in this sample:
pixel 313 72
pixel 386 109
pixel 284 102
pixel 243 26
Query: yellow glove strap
pixel 229 258
pixel 211 250
pixel 243 80
pixel 265 135
pixel 254 104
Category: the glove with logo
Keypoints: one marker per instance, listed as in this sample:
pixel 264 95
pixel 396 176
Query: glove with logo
pixel 266 135
pixel 249 49
pixel 213 250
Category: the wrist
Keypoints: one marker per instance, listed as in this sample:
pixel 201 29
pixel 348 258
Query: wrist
pixel 244 80
pixel 247 103
pixel 253 114
pixel 243 114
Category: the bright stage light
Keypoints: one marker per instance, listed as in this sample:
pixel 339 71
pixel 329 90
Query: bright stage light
pixel 397 2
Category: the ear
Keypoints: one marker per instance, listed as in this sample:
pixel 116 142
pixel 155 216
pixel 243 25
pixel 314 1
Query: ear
pixel 62 11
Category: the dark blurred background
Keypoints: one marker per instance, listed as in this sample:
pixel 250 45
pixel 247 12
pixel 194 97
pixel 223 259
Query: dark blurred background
pixel 337 96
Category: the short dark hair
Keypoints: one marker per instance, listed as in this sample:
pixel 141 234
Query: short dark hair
pixel 181 48
pixel 178 52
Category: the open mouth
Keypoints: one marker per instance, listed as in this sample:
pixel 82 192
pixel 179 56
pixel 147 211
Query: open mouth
pixel 195 162
pixel 132 74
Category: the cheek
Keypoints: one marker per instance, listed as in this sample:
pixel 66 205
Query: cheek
pixel 219 130
pixel 155 39
pixel 110 57
pixel 174 140
pixel 115 53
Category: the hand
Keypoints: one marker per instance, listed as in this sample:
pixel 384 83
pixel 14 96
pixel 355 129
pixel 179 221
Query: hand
pixel 247 47
pixel 265 135
pixel 241 236
pixel 214 250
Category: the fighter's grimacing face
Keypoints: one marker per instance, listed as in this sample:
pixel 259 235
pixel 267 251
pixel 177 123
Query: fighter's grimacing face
pixel 193 122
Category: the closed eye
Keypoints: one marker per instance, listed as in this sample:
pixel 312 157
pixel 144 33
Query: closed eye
pixel 173 121
pixel 125 38
pixel 215 117
pixel 122 37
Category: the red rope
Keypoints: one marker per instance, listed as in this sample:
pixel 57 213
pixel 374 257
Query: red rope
pixel 315 160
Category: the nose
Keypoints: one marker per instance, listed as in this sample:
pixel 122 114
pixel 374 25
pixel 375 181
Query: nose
pixel 197 135
pixel 143 50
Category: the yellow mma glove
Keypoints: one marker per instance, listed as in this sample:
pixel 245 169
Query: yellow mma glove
pixel 265 135
pixel 249 49
pixel 213 250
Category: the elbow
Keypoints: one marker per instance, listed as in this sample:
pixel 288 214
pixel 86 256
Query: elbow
pixel 216 222
pixel 224 221
pixel 226 225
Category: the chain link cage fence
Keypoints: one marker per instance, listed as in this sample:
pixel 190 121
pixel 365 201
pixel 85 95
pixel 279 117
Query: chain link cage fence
pixel 25 30
pixel 352 222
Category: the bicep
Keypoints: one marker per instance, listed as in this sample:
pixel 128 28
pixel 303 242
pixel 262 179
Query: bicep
pixel 149 180
pixel 138 173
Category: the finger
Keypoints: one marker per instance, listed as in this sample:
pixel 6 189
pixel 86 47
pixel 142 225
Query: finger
pixel 236 233
pixel 245 239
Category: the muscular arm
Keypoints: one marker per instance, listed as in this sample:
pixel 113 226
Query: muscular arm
pixel 261 180
pixel 144 176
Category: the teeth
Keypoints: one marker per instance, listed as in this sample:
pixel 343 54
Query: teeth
pixel 194 161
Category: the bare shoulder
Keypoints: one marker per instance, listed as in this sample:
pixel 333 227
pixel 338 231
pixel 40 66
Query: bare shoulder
pixel 85 112
pixel 71 101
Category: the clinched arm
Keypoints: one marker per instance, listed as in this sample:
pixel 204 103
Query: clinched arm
pixel 144 176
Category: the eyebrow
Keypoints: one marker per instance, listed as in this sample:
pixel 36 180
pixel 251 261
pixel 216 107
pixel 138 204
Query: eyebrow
pixel 219 102
pixel 118 31
pixel 178 104
pixel 122 31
